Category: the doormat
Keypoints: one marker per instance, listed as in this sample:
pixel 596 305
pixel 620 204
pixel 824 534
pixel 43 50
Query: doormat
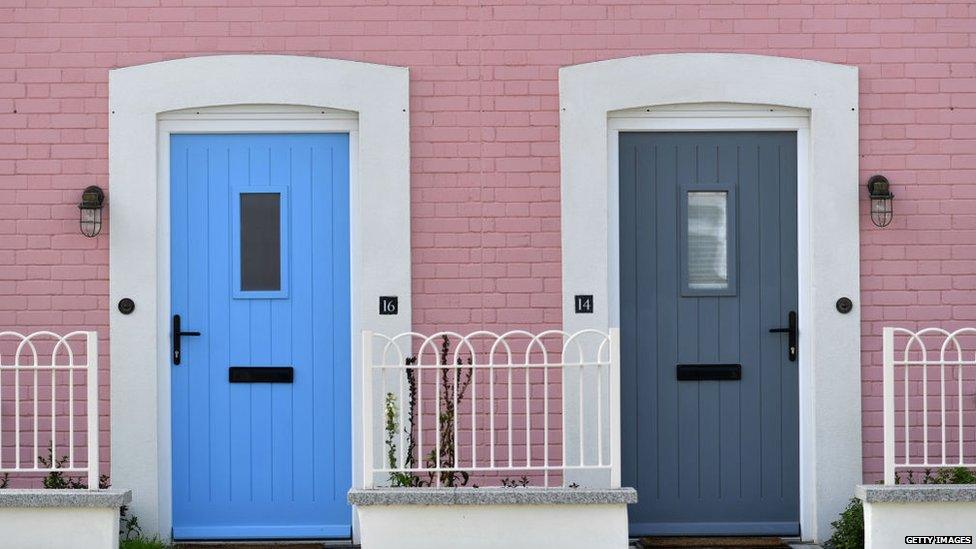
pixel 713 543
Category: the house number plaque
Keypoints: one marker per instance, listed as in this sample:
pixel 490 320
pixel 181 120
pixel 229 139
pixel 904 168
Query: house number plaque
pixel 584 304
pixel 389 305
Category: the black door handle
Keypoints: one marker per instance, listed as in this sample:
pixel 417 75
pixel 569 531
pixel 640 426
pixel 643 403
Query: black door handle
pixel 793 332
pixel 178 333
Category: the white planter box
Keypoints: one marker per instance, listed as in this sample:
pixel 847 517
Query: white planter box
pixel 893 512
pixel 476 518
pixel 61 519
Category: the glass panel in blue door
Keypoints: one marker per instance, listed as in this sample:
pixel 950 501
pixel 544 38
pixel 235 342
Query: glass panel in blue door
pixel 260 242
pixel 261 460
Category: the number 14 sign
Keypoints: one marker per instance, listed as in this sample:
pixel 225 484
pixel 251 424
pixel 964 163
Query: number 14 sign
pixel 584 304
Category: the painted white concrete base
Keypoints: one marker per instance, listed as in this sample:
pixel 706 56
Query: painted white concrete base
pixel 61 519
pixel 893 512
pixel 59 527
pixel 599 526
pixel 887 524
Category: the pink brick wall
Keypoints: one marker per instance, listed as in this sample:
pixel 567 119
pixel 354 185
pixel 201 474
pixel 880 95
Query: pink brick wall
pixel 485 195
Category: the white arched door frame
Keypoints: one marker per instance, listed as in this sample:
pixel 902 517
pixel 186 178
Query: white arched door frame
pixel 594 102
pixel 240 93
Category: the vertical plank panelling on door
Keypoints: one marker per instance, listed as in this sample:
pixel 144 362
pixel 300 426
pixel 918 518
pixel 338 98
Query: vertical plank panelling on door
pixel 259 342
pixel 261 460
pixel 219 228
pixel 178 301
pixel 751 291
pixel 660 293
pixel 729 394
pixel 689 457
pixel 278 314
pixel 628 324
pixel 239 315
pixel 198 182
pixel 342 330
pixel 303 211
pixel 322 329
pixel 709 403
pixel 280 352
pixel 709 457
pixel 770 313
pixel 198 402
pixel 790 381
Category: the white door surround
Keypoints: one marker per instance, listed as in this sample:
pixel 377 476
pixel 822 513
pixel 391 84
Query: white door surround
pixel 732 92
pixel 238 93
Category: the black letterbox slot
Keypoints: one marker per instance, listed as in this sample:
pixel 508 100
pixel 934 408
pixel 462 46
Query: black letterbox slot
pixel 262 374
pixel 713 372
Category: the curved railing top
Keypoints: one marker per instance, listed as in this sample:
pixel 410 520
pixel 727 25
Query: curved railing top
pixel 26 346
pixel 945 342
pixel 515 346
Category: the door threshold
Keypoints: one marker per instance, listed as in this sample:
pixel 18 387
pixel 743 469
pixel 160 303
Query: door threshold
pixel 267 544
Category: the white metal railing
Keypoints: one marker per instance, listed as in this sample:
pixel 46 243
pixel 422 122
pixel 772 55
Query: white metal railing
pixel 544 406
pixel 929 399
pixel 44 378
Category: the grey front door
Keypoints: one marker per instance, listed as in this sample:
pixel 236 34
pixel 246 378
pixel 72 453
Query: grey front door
pixel 708 265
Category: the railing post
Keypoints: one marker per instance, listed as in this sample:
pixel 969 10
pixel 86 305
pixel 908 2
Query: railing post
pixel 367 408
pixel 614 383
pixel 91 352
pixel 888 403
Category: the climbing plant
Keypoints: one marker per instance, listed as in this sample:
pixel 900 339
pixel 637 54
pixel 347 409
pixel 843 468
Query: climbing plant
pixel 453 383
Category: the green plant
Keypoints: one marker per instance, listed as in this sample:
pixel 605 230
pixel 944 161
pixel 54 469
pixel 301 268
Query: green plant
pixel 849 528
pixel 57 480
pixel 520 483
pixel 947 475
pixel 129 529
pixel 451 394
pixel 143 543
pixel 391 428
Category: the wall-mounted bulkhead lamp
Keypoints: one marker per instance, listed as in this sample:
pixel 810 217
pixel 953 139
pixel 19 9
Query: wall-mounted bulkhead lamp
pixel 881 197
pixel 90 209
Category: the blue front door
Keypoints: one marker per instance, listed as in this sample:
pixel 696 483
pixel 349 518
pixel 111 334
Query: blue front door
pixel 709 395
pixel 261 397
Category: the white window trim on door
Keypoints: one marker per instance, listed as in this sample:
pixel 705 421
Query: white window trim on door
pixel 732 92
pixel 238 93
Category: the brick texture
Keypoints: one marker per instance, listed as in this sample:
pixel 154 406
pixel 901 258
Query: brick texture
pixel 485 180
